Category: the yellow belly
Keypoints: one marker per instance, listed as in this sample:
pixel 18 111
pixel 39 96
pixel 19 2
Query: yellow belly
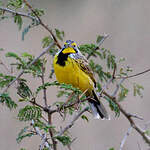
pixel 72 74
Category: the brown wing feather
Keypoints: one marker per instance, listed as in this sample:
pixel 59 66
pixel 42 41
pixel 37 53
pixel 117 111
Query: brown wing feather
pixel 84 66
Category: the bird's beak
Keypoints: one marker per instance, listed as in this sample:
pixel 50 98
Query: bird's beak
pixel 68 50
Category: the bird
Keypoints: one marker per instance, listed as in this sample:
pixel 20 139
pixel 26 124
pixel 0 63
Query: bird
pixel 72 67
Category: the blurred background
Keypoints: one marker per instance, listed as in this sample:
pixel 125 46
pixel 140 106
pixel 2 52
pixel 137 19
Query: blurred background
pixel 128 24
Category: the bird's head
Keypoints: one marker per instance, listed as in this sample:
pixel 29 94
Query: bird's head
pixel 70 47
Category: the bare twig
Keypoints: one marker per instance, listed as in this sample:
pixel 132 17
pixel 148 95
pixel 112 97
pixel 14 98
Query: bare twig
pixel 127 115
pixel 43 137
pixel 134 75
pixel 129 118
pixel 22 72
pixel 117 87
pixel 3 64
pixel 125 138
pixel 67 106
pixel 108 82
pixel 100 43
pixel 19 13
pixel 51 132
pixel 46 106
pixel 44 89
pixel 139 146
pixel 42 24
pixel 135 116
pixel 72 122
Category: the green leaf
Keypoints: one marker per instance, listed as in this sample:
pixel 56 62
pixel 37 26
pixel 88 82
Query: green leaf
pixel 1 3
pixel 123 93
pixel 39 12
pixel 43 126
pixel 60 34
pixel 23 134
pixel 6 99
pixel 15 4
pixel 65 140
pixel 113 106
pixel 1 49
pixel 112 148
pixel 5 80
pixel 88 49
pixel 22 149
pixel 14 55
pixel 29 112
pixel 147 132
pixel 23 90
pixel 99 38
pixel 18 21
pixel 46 41
pixel 25 31
pixel 137 90
pixel 84 117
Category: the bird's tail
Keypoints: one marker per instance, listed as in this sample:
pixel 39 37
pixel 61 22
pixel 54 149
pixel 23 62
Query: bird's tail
pixel 97 108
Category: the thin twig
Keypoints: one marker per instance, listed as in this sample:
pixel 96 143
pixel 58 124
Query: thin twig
pixel 72 122
pixel 51 111
pixel 46 106
pixel 100 43
pixel 43 137
pixel 51 132
pixel 139 146
pixel 3 64
pixel 134 75
pixel 28 66
pixel 135 116
pixel 44 89
pixel 129 118
pixel 125 138
pixel 19 13
pixel 117 87
pixel 42 24
pixel 108 82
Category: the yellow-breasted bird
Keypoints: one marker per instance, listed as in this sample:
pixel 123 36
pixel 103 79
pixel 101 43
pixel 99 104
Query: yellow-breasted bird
pixel 71 67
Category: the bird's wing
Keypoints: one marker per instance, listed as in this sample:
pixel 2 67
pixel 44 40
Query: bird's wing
pixel 83 64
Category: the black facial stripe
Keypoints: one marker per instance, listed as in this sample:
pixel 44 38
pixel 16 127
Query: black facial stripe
pixel 61 59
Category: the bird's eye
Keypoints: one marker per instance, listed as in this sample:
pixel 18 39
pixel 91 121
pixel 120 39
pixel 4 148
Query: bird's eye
pixel 73 45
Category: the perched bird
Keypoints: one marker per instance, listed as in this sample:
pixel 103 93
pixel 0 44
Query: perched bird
pixel 71 67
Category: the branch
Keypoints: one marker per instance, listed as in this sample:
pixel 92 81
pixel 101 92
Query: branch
pixel 42 24
pixel 125 138
pixel 49 115
pixel 28 66
pixel 72 122
pixel 43 137
pixel 108 82
pixel 44 90
pixel 51 111
pixel 18 13
pixel 129 118
pixel 134 75
pixel 100 43
pixel 127 115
